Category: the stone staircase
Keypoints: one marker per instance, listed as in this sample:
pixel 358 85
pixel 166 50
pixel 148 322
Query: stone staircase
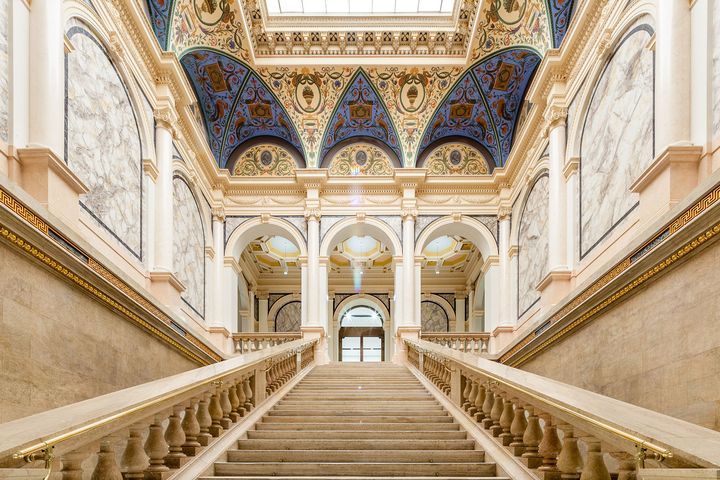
pixel 356 420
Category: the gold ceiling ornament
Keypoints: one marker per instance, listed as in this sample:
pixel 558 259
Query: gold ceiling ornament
pixel 361 159
pixel 265 160
pixel 456 159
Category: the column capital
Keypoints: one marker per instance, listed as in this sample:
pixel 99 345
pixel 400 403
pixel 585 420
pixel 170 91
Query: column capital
pixel 262 294
pixel 409 213
pixel 504 213
pixel 166 118
pixel 218 214
pixel 313 213
pixel 461 295
pixel 555 116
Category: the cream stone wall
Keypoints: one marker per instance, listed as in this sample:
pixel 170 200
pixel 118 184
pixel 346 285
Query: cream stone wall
pixel 659 349
pixel 4 70
pixel 58 346
pixel 533 244
pixel 617 138
pixel 103 143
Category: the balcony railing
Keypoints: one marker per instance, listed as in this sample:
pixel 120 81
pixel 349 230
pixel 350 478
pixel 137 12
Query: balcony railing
pixel 465 342
pixel 250 342
pixel 158 426
pixel 540 421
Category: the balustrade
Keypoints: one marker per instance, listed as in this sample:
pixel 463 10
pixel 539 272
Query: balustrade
pixel 476 343
pixel 540 421
pixel 246 342
pixel 178 417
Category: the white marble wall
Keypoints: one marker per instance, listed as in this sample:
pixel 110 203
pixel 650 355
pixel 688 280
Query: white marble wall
pixel 288 318
pixel 434 318
pixel 617 142
pixel 716 69
pixel 4 70
pixel 533 244
pixel 103 144
pixel 189 245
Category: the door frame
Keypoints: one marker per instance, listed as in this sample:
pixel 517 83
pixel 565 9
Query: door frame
pixel 362 332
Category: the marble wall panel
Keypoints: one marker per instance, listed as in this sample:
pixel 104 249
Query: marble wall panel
pixel 433 317
pixel 4 71
pixel 103 142
pixel 288 318
pixel 716 70
pixel 189 245
pixel 533 244
pixel 617 141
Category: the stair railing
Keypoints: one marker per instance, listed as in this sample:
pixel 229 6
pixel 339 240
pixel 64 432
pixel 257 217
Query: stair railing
pixel 246 342
pixel 159 425
pixel 540 420
pixel 476 343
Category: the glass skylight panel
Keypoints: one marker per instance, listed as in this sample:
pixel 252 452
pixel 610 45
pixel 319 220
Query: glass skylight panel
pixel 359 7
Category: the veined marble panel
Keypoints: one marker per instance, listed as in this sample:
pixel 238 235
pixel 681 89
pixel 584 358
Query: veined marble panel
pixel 433 317
pixel 103 143
pixel 716 69
pixel 533 244
pixel 617 142
pixel 189 245
pixel 422 222
pixel 288 318
pixel 4 71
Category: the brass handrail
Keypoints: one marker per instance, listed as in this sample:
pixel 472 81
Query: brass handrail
pixel 640 443
pixel 27 452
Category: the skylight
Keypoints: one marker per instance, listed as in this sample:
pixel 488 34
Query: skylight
pixel 360 7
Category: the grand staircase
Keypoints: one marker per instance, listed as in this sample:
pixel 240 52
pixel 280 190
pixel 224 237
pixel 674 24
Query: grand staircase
pixel 356 420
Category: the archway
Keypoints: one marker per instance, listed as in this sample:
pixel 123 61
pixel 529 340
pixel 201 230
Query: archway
pixel 459 270
pixel 357 301
pixel 261 266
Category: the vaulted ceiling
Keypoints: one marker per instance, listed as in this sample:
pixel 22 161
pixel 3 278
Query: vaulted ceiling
pixel 408 82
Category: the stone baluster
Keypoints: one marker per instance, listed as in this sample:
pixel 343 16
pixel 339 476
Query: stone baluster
pixel 484 345
pixel 477 409
pixel 191 427
pixel 517 430
pixel 466 392
pixel 595 468
pixel 626 467
pixel 175 438
pixel 234 402
pixel 473 395
pixel 569 461
pixel 106 467
pixel 488 406
pixel 248 394
pixel 549 449
pixel 236 342
pixel 134 460
pixel 226 406
pixel 156 448
pixel 506 418
pixel 241 398
pixel 204 420
pixel 216 413
pixel 532 438
pixel 495 414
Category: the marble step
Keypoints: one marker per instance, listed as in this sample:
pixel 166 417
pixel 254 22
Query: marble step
pixel 355 456
pixel 406 443
pixel 315 477
pixel 356 469
pixel 359 426
pixel 349 434
pixel 356 412
pixel 361 419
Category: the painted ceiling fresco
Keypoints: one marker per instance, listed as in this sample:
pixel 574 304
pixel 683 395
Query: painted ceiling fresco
pixel 314 109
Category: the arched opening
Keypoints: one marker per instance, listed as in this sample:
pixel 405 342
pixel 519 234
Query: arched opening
pixel 459 264
pixel 361 335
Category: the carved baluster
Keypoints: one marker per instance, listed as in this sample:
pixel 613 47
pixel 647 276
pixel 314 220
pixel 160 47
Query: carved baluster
pixel 476 410
pixel 488 406
pixel 549 449
pixel 134 460
pixel 626 469
pixel 484 345
pixel 248 394
pixel 594 468
pixel 238 348
pixel 234 402
pixel 495 414
pixel 216 413
pixel 532 438
pixel 569 461
pixel 506 418
pixel 72 464
pixel 106 467
pixel 204 420
pixel 466 393
pixel 226 406
pixel 156 448
pixel 191 427
pixel 241 398
pixel 517 429
pixel 472 396
pixel 175 438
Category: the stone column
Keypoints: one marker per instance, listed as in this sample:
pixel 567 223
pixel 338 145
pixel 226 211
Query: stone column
pixel 263 311
pixel 331 327
pixel 408 290
pixel 304 294
pixel 571 180
pixel 47 78
pixel 164 193
pixel 251 307
pixel 231 271
pixel 672 74
pixel 504 247
pixel 218 227
pixel 491 276
pixel 313 267
pixel 460 311
pixel 471 308
pixel 557 256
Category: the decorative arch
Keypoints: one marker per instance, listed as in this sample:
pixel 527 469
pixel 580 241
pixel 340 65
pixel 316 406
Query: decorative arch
pixel 265 156
pixel 456 156
pixel 467 227
pixel 180 169
pixel 258 227
pixel 442 303
pixel 360 299
pixel 433 323
pixel 358 156
pixel 360 112
pixel 350 226
pixel 280 303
